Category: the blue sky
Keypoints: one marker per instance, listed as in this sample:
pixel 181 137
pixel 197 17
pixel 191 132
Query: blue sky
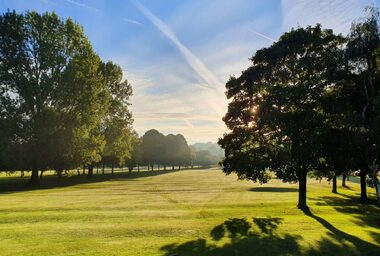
pixel 179 54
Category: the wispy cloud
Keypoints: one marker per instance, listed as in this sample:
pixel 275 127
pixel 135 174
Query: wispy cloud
pixel 169 115
pixel 198 66
pixel 135 22
pixel 337 14
pixel 211 94
pixel 82 5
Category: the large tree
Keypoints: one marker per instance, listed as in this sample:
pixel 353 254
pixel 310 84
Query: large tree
pixel 275 115
pixel 363 57
pixel 50 77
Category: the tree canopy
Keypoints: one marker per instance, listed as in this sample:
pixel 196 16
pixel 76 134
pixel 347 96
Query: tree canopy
pixel 61 105
pixel 307 103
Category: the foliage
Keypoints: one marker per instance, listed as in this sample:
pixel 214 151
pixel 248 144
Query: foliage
pixel 275 114
pixel 60 104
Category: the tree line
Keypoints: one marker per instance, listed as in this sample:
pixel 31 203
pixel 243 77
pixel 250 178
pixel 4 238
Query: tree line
pixel 308 104
pixel 170 151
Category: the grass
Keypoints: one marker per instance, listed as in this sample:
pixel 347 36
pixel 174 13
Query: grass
pixel 189 212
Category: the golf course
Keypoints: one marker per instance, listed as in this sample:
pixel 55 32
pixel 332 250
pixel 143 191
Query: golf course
pixel 186 212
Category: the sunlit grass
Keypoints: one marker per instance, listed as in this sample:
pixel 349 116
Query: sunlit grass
pixel 140 214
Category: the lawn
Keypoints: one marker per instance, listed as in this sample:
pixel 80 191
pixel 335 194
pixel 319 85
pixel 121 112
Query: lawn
pixel 188 212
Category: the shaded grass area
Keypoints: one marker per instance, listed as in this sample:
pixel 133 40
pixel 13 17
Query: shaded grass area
pixel 13 183
pixel 189 212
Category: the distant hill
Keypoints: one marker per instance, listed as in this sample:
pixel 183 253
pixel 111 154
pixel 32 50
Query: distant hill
pixel 214 149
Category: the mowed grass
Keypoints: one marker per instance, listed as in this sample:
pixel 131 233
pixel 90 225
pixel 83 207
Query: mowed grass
pixel 188 212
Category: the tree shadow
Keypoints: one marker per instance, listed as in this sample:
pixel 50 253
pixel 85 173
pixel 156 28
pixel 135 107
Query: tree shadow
pixel 241 237
pixel 13 185
pixel 273 189
pixel 339 242
pixel 260 237
pixel 365 214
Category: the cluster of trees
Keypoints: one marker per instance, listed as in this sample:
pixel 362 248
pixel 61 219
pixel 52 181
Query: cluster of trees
pixel 309 103
pixel 158 149
pixel 155 149
pixel 61 106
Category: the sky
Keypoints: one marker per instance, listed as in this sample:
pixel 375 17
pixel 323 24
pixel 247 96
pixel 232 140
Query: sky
pixel 179 54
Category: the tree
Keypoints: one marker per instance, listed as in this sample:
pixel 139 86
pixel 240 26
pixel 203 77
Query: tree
pixel 183 157
pixel 177 151
pixel 117 122
pixel 171 152
pixel 52 73
pixel 152 147
pixel 135 158
pixel 338 154
pixel 363 49
pixel 275 115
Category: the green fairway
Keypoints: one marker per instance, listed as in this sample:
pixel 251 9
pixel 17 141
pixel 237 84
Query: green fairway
pixel 189 212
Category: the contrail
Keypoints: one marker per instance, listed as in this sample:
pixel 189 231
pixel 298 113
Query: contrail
pixel 135 22
pixel 262 35
pixel 82 5
pixel 196 64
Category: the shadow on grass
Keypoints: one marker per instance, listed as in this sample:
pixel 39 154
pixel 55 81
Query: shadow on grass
pixel 272 189
pixel 365 214
pixel 244 238
pixel 339 242
pixel 260 237
pixel 12 185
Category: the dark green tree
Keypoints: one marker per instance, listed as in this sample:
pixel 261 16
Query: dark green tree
pixel 363 48
pixel 275 114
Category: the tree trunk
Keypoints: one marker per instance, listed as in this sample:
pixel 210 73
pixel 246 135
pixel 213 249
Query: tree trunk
pixel 90 171
pixel 172 167
pixel 138 168
pixel 112 167
pixel 179 167
pixel 78 172
pixel 22 174
pixel 344 180
pixel 59 174
pixel 34 180
pixel 363 186
pixel 97 169
pixel 377 188
pixel 84 169
pixel 302 179
pixel 152 167
pixel 103 169
pixel 334 190
pixel 375 181
pixel 41 173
